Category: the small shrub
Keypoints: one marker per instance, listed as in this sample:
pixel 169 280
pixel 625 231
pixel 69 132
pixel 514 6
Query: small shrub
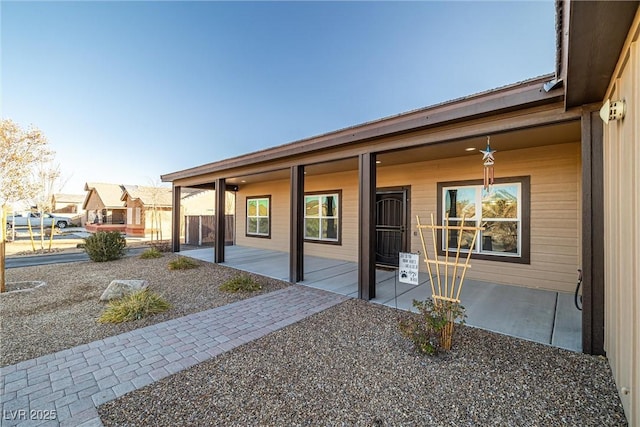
pixel 105 246
pixel 151 253
pixel 133 307
pixel 428 328
pixel 241 283
pixel 182 263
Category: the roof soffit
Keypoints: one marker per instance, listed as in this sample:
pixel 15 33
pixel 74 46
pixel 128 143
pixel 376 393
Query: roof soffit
pixel 516 125
pixel 596 32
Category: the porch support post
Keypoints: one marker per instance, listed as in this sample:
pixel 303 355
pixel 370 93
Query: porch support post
pixel 367 227
pixel 592 234
pixel 296 224
pixel 221 199
pixel 175 220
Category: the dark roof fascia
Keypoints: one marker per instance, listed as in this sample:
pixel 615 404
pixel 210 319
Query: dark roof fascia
pixel 596 34
pixel 519 96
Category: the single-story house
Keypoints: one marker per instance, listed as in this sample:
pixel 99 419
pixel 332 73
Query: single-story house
pixel 67 203
pixel 104 207
pixel 565 192
pixel 148 210
pixel 141 211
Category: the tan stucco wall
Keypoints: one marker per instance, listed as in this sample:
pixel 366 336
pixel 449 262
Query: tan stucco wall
pixel 554 172
pixel 162 223
pixel 622 229
pixel 199 204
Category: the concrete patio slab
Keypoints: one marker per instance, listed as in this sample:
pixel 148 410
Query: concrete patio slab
pixel 511 310
pixel 567 330
pixel 538 315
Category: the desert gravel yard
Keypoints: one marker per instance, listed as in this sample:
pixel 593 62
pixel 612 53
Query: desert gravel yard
pixel 347 365
pixel 63 313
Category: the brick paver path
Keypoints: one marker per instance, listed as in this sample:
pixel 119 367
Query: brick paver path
pixel 64 388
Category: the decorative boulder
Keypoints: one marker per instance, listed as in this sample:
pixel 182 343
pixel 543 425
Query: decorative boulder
pixel 120 288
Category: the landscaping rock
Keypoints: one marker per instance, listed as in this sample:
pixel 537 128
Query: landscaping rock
pixel 120 288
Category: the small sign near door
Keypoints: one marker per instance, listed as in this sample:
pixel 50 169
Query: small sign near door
pixel 408 268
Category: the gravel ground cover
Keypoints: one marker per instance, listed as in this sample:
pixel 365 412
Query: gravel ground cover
pixel 346 366
pixel 349 366
pixel 63 313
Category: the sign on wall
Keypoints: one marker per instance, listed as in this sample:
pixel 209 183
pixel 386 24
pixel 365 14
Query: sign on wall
pixel 408 268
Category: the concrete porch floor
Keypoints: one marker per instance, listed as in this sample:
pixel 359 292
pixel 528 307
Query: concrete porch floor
pixel 538 315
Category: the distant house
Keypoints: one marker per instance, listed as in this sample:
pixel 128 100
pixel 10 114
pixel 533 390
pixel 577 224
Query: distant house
pixel 67 203
pixel 105 209
pixel 133 209
pixel 148 210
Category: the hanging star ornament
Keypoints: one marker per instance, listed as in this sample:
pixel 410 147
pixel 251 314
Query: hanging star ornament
pixel 489 160
pixel 487 154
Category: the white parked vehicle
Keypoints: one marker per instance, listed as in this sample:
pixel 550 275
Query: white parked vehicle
pixel 33 219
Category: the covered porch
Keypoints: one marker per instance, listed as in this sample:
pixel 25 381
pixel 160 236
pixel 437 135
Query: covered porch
pixel 357 194
pixel 544 316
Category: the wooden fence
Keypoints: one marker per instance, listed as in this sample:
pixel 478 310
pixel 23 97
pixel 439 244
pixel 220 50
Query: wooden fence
pixel 200 230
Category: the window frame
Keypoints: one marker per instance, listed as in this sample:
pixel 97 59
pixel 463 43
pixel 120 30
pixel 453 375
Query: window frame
pixel 339 217
pixel 524 222
pixel 246 215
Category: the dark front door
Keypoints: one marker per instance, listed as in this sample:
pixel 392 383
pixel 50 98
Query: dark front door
pixel 391 226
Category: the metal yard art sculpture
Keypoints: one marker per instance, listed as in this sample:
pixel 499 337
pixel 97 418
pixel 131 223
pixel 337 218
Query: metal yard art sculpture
pixel 450 271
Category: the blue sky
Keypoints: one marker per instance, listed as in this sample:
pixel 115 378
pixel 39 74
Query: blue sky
pixel 127 91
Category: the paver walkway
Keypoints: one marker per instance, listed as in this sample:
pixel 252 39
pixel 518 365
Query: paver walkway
pixel 64 388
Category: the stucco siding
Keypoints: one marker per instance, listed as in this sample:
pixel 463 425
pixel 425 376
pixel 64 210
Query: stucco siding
pixel 622 230
pixel 161 225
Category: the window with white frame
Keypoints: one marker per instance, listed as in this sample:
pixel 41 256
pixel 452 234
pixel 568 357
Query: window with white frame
pixel 322 217
pixel 258 216
pixel 503 212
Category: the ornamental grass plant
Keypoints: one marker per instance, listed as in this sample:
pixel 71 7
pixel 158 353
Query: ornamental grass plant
pixel 134 306
pixel 240 283
pixel 151 253
pixel 182 263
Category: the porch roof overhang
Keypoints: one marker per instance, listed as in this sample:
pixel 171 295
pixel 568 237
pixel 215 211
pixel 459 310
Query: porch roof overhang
pixel 592 35
pixel 527 100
